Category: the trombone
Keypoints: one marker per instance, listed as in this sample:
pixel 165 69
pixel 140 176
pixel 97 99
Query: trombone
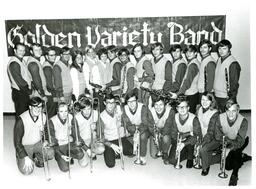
pixel 197 161
pixel 177 154
pixel 118 124
pixel 223 174
pixel 136 145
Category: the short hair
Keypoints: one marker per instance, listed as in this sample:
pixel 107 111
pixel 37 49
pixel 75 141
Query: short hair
pixel 210 97
pixel 102 51
pixel 85 102
pixel 190 48
pixel 160 98
pixel 157 44
pixel 88 47
pixel 205 41
pixel 138 45
pixel 123 50
pixel 109 96
pixel 230 103
pixel 51 48
pixel 34 45
pixel 112 48
pixel 75 53
pixel 223 43
pixel 35 101
pixel 174 48
pixel 61 104
pixel 19 44
pixel 64 49
pixel 130 94
pixel 180 99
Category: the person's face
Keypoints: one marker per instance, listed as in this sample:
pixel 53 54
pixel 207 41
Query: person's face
pixel 132 103
pixel 205 50
pixel 91 53
pixel 103 58
pixel 37 51
pixel 157 52
pixel 66 56
pixel 123 57
pixel 110 105
pixel 137 52
pixel 176 54
pixel 79 59
pixel 87 111
pixel 63 112
pixel 205 102
pixel 20 51
pixel 51 56
pixel 36 110
pixel 232 112
pixel 190 55
pixel 183 108
pixel 111 55
pixel 159 106
pixel 223 51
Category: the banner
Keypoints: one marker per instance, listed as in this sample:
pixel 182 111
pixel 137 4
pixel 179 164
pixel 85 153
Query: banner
pixel 102 32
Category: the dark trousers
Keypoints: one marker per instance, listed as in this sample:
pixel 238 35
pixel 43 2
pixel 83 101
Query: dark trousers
pixel 193 101
pixel 21 101
pixel 75 152
pixel 143 143
pixel 110 156
pixel 164 144
pixel 51 107
pixel 221 102
pixel 143 96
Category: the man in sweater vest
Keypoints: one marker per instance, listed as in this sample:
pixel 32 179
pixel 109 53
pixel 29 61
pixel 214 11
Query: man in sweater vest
pixel 233 126
pixel 113 130
pixel 28 138
pixel 115 70
pixel 61 130
pixel 135 115
pixel 227 75
pixel 207 68
pixel 179 67
pixel 160 118
pixel 188 127
pixel 189 83
pixel 162 69
pixel 50 58
pixel 144 73
pixel 19 79
pixel 62 77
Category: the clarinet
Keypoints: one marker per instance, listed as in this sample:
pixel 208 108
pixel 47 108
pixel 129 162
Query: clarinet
pixel 223 174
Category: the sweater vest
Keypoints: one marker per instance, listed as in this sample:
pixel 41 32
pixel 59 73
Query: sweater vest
pixel 140 70
pixel 90 62
pixel 220 83
pixel 23 71
pixel 204 118
pixel 193 87
pixel 188 125
pixel 160 122
pixel 110 125
pixel 78 81
pixel 175 66
pixel 124 72
pixel 104 72
pixel 230 132
pixel 201 79
pixel 62 131
pixel 112 63
pixel 134 118
pixel 41 73
pixel 159 70
pixel 32 128
pixel 84 124
pixel 67 84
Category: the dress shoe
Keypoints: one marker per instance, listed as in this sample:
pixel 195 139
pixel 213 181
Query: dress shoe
pixel 94 158
pixel 205 171
pixel 38 163
pixel 189 163
pixel 246 157
pixel 72 161
pixel 233 180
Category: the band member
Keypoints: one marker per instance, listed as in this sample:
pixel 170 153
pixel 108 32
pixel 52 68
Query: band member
pixel 160 117
pixel 144 73
pixel 19 79
pixel 135 115
pixel 189 83
pixel 50 58
pixel 207 68
pixel 208 115
pixel 227 75
pixel 162 68
pixel 77 74
pixel 113 129
pixel 60 130
pixel 62 78
pixel 188 126
pixel 179 67
pixel 90 56
pixel 28 138
pixel 233 126
pixel 115 70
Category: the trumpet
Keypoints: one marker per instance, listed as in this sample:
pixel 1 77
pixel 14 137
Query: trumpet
pixel 136 145
pixel 197 161
pixel 177 154
pixel 157 139
pixel 223 174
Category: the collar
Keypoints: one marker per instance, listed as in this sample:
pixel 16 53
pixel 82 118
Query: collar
pixel 61 120
pixel 161 114
pixel 19 58
pixel 156 60
pixel 205 57
pixel 87 118
pixel 34 119
pixel 222 59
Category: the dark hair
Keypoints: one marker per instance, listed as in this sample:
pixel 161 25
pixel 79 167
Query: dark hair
pixel 64 49
pixel 123 50
pixel 174 48
pixel 35 101
pixel 85 102
pixel 205 41
pixel 211 98
pixel 102 51
pixel 160 98
pixel 61 104
pixel 88 47
pixel 19 44
pixel 230 103
pixel 180 99
pixel 130 94
pixel 50 49
pixel 138 45
pixel 157 44
pixel 34 45
pixel 75 53
pixel 190 48
pixel 223 43
pixel 109 96
pixel 112 48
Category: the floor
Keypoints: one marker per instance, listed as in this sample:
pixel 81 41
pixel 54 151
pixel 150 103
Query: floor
pixel 154 174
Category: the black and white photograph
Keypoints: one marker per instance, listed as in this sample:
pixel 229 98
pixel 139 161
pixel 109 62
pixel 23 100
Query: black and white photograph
pixel 127 94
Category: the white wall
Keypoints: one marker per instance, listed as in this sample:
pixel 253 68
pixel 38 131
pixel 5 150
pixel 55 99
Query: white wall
pixel 237 31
